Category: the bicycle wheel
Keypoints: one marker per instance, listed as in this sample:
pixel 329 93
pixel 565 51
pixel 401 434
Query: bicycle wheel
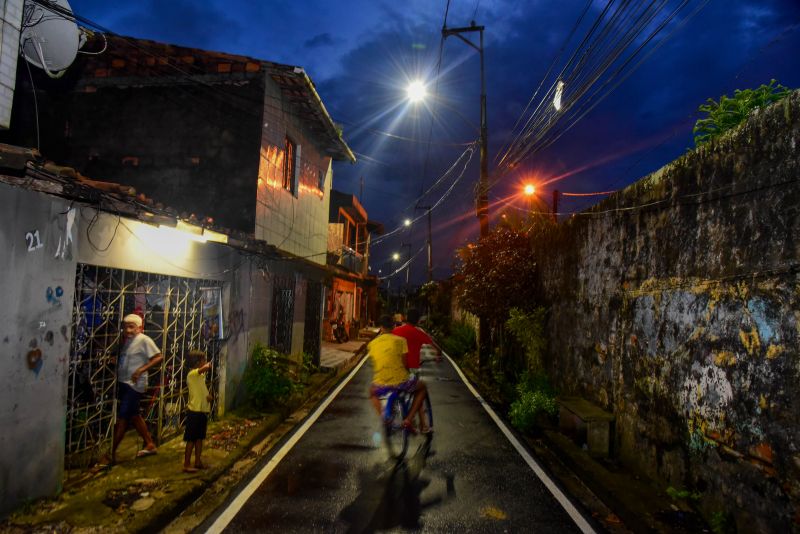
pixel 396 437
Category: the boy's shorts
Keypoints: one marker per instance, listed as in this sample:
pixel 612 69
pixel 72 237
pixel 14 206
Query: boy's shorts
pixel 196 424
pixel 128 401
pixel 409 386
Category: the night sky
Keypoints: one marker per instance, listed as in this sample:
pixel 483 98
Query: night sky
pixel 362 53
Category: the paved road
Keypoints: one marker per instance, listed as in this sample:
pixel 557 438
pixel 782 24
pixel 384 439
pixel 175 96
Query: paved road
pixel 337 477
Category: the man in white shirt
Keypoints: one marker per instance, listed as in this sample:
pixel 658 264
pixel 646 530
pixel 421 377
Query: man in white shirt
pixel 138 355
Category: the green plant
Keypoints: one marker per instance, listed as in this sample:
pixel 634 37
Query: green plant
pixel 730 112
pixel 309 367
pixel 535 396
pixel 503 265
pixel 460 341
pixel 722 523
pixel 528 328
pixel 683 494
pixel 266 377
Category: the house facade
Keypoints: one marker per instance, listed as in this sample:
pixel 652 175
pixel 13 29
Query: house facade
pixel 195 190
pixel 353 292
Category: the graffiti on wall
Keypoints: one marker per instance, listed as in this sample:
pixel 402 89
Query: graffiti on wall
pixel 64 248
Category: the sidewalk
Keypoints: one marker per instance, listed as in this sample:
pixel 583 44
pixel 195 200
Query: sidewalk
pixel 153 493
pixel 334 356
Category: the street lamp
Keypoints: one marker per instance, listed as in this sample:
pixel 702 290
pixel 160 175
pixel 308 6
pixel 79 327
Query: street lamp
pixel 407 223
pixel 483 183
pixel 416 91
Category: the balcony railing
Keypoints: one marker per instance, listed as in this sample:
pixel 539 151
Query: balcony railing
pixel 348 258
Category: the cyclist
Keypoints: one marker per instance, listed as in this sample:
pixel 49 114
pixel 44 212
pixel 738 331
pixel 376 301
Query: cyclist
pixel 415 337
pixel 388 353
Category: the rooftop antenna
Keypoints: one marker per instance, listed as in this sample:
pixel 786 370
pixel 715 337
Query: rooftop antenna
pixel 50 38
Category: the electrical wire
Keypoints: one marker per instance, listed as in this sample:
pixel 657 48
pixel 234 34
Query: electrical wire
pixel 601 51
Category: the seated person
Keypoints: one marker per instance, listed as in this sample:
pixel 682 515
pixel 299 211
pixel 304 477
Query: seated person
pixel 388 353
pixel 416 338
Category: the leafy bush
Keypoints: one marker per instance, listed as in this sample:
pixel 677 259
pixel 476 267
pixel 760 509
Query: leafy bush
pixel 535 396
pixel 528 328
pixel 266 377
pixel 678 494
pixel 460 341
pixel 730 112
pixel 309 367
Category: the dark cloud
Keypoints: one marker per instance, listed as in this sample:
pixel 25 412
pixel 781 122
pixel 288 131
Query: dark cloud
pixel 320 40
pixel 361 71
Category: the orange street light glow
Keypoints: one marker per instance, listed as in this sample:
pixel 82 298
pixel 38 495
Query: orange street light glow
pixel 529 189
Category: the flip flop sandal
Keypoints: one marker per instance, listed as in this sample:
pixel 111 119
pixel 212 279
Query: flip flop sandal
pixel 146 452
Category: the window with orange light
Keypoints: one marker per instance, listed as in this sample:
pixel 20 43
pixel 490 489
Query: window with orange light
pixel 290 166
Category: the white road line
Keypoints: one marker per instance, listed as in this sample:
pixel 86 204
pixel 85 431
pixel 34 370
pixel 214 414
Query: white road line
pixel 233 508
pixel 562 499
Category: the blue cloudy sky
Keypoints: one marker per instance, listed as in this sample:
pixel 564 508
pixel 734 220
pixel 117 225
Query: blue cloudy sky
pixel 361 53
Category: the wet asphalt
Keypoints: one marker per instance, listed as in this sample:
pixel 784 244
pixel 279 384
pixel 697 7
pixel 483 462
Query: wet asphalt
pixel 339 478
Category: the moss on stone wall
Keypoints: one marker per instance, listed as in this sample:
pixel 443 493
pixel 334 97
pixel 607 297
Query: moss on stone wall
pixel 688 281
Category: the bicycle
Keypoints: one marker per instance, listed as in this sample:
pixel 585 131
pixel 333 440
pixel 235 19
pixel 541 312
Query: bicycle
pixel 396 407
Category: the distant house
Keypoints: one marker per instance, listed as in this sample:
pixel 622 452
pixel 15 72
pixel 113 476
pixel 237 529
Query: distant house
pixel 353 292
pixel 195 190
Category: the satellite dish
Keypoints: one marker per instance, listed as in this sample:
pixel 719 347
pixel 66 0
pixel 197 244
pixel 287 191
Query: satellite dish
pixel 50 39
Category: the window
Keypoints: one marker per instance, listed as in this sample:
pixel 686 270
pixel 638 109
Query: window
pixel 290 166
pixel 321 180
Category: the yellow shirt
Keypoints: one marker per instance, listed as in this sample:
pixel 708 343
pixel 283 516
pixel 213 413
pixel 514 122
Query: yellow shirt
pixel 387 352
pixel 198 392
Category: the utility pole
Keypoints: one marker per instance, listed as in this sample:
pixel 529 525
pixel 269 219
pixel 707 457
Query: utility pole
pixel 482 204
pixel 555 205
pixel 408 268
pixel 430 241
pixel 482 201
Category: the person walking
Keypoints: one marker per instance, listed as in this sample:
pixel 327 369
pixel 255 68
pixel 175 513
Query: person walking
pixel 139 353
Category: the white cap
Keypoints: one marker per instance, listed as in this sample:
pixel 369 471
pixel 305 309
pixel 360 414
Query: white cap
pixel 133 318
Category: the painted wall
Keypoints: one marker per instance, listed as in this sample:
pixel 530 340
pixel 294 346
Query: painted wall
pixel 296 223
pixel 43 238
pixel 675 305
pixel 37 281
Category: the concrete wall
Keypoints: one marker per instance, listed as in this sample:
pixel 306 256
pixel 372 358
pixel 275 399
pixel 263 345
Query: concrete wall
pixel 37 282
pixel 675 305
pixel 294 223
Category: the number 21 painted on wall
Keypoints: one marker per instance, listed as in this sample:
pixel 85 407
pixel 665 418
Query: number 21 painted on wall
pixel 32 238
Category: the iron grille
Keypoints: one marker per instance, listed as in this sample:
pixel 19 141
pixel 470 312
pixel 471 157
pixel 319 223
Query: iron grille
pixel 173 318
pixel 312 334
pixel 282 313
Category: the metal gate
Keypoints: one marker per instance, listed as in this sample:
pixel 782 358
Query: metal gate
pixel 311 333
pixel 282 313
pixel 174 317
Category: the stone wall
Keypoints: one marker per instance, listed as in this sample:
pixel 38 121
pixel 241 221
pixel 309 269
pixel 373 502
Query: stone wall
pixel 676 305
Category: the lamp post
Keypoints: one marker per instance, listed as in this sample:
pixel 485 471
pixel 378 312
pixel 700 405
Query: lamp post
pixel 482 203
pixel 430 241
pixel 396 256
